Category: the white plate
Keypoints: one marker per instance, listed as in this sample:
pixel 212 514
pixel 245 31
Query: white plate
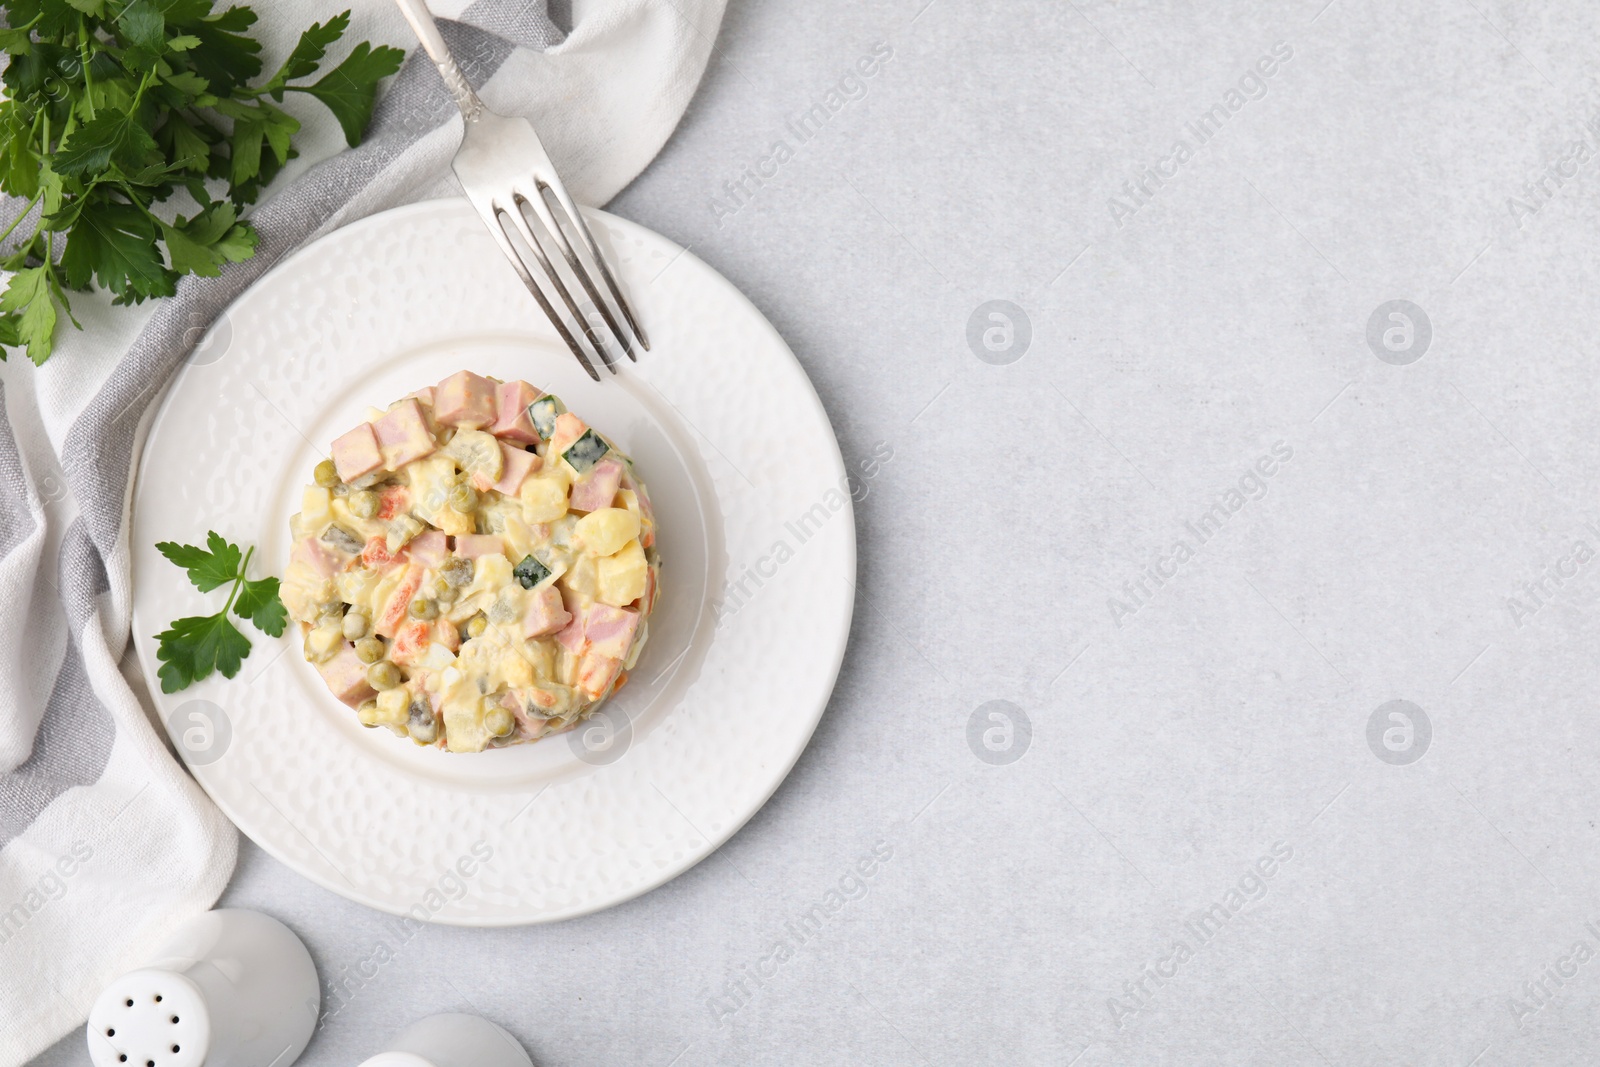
pixel 747 481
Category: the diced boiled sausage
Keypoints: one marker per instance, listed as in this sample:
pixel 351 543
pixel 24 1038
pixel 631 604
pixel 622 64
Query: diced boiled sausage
pixel 598 488
pixel 356 453
pixel 511 413
pixel 403 435
pixel 465 400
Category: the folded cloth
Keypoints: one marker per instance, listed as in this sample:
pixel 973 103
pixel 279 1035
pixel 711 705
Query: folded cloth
pixel 105 842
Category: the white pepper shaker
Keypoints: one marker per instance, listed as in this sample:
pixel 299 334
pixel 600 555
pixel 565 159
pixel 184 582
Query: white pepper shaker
pixel 230 988
pixel 452 1040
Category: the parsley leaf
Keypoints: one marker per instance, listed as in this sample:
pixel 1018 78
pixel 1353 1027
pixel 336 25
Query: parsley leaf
pixel 349 89
pixel 192 648
pixel 112 137
pixel 308 53
pixel 201 245
pixel 207 569
pixel 116 243
pixel 258 601
pixel 28 293
pixel 109 107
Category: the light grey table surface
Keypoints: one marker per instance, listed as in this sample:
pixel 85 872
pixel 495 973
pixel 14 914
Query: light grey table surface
pixel 1207 727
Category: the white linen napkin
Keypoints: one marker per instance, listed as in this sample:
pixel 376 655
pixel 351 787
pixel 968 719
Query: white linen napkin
pixel 105 841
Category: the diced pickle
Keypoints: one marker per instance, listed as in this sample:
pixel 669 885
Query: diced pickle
pixel 543 412
pixel 342 539
pixel 502 611
pixel 456 571
pixel 586 451
pixel 420 722
pixel 530 572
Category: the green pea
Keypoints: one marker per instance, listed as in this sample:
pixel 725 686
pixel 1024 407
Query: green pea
pixel 425 609
pixel 364 503
pixel 326 474
pixel 369 650
pixel 499 722
pixel 368 713
pixel 383 675
pixel 355 625
pixel 477 626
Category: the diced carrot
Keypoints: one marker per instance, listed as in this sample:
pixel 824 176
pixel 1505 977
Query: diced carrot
pixel 410 642
pixel 394 612
pixel 393 500
pixel 377 554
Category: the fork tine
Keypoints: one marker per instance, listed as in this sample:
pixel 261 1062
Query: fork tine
pixel 542 208
pixel 520 221
pixel 497 231
pixel 582 227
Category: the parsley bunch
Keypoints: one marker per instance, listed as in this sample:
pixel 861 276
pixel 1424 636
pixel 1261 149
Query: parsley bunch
pixel 113 105
pixel 192 648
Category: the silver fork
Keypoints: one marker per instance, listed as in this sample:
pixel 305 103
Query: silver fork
pixel 504 168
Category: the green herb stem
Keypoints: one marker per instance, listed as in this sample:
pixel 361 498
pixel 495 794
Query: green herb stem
pixel 7 233
pixel 238 582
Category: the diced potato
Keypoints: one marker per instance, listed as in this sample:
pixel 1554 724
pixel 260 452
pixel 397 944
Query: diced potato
pixel 315 504
pixel 606 530
pixel 518 536
pixel 516 672
pixel 303 591
pixel 567 668
pixel 323 640
pixel 491 572
pixel 582 578
pixel 463 717
pixel 621 575
pixel 542 654
pixel 543 499
pixel 400 532
pixel 393 706
pixel 355 585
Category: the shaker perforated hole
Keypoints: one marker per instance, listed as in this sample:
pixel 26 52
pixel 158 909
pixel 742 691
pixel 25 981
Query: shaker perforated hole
pixel 130 1002
pixel 158 998
pixel 111 1031
pixel 174 1018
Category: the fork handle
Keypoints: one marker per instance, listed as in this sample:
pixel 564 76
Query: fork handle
pixel 421 19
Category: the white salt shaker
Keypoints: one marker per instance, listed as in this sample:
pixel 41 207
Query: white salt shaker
pixel 452 1041
pixel 231 988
